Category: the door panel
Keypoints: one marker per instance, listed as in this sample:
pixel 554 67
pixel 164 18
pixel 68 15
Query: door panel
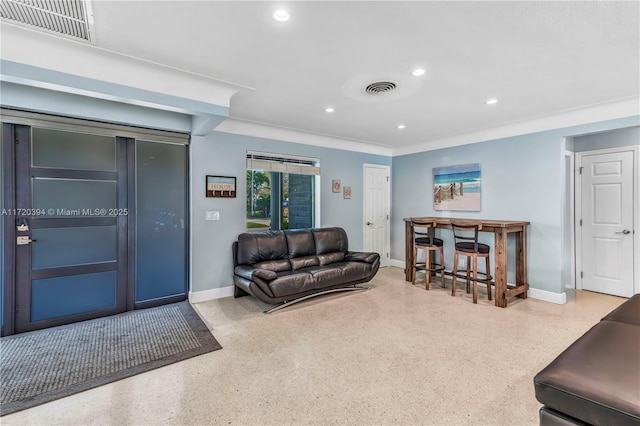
pixel 91 292
pixel 376 211
pixel 75 151
pixel 74 197
pixel 161 245
pixel 607 230
pixel 71 262
pixel 58 247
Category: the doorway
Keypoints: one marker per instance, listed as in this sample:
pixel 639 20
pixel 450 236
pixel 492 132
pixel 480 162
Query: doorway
pixel 95 220
pixel 606 207
pixel 377 201
pixel 70 242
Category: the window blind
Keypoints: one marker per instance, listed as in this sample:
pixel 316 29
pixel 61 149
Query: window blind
pixel 282 163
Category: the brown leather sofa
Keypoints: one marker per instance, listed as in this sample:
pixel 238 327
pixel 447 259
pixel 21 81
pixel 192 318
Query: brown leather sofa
pixel 286 267
pixel 596 380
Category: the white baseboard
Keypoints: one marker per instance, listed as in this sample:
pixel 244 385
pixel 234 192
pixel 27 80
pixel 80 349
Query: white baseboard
pixel 397 263
pixel 214 293
pixel 548 296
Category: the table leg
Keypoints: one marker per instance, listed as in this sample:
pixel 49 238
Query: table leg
pixel 521 260
pixel 408 252
pixel 500 247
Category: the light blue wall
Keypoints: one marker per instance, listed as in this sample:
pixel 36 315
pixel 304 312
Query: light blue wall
pixel 225 154
pixel 523 178
pixel 614 139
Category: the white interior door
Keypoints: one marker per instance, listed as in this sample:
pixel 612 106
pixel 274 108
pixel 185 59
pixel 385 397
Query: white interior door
pixel 607 223
pixel 377 196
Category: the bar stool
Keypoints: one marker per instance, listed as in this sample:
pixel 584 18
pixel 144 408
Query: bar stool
pixel 465 234
pixel 423 240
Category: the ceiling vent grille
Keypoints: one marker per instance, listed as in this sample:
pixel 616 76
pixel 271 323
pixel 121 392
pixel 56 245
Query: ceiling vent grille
pixel 70 18
pixel 380 87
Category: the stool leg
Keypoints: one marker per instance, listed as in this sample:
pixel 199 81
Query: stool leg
pixel 469 258
pixel 442 265
pixel 427 268
pixel 415 263
pixel 488 276
pixel 455 271
pixel 475 279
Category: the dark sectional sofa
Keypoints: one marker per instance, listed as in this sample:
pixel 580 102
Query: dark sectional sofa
pixel 285 267
pixel 596 380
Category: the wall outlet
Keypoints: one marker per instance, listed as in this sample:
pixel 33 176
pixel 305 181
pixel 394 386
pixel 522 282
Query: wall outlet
pixel 462 262
pixel 213 215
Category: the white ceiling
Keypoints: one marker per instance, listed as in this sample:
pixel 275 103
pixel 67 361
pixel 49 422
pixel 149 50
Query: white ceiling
pixel 537 58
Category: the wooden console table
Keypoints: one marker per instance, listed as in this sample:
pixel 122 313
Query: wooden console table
pixel 500 229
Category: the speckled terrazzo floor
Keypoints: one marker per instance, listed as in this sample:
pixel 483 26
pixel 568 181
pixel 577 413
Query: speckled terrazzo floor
pixel 393 355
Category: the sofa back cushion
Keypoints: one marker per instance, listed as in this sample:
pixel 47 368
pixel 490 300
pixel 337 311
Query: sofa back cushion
pixel 302 248
pixel 264 250
pixel 331 244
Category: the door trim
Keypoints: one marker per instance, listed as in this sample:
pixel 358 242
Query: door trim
pixel 636 212
pixel 8 168
pixel 77 125
pixel 387 237
pixel 570 203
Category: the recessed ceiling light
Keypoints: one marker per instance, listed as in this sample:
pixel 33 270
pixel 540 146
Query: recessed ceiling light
pixel 281 15
pixel 417 72
pixel 329 109
pixel 401 126
pixel 491 101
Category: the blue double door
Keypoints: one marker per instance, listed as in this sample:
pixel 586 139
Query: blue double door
pixel 94 225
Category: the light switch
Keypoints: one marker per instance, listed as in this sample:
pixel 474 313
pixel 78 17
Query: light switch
pixel 213 215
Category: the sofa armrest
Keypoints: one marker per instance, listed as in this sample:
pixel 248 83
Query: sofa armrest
pixel 248 272
pixel 360 256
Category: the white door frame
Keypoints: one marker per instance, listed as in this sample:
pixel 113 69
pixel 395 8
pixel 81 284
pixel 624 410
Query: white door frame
pixel 570 199
pixel 387 237
pixel 636 212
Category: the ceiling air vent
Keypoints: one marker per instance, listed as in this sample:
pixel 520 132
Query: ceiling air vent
pixel 380 87
pixel 70 18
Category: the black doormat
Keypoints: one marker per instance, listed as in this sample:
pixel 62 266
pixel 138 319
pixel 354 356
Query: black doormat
pixel 45 365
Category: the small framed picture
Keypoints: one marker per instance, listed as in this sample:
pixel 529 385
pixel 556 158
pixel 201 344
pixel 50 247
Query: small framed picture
pixel 221 186
pixel 347 192
pixel 335 184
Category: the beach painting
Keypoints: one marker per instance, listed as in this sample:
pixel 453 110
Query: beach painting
pixel 457 187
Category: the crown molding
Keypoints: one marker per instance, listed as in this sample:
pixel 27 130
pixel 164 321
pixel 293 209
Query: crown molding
pixel 620 108
pixel 266 131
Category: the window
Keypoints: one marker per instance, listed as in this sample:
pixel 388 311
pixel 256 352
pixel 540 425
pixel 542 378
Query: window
pixel 281 191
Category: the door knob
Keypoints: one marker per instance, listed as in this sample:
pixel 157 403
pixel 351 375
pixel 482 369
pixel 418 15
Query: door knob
pixel 625 232
pixel 369 223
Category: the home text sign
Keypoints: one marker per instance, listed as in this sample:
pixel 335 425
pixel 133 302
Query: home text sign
pixel 221 186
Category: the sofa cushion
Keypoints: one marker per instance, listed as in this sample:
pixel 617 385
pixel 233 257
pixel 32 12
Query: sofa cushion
pixel 628 312
pixel 339 273
pixel 596 378
pixel 330 240
pixel 291 283
pixel 300 242
pixel 274 265
pixel 304 262
pixel 265 249
pixel 328 258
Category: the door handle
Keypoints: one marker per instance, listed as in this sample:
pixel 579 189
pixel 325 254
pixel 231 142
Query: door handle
pixel 625 232
pixel 24 240
pixel 369 223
